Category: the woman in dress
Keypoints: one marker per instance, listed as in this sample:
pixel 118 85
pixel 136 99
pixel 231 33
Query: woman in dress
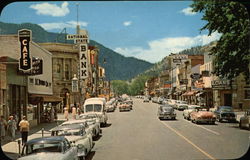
pixel 11 127
pixel 66 113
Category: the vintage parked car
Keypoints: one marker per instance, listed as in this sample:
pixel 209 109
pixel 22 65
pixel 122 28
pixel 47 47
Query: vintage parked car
pixel 202 116
pixel 94 123
pixel 96 105
pixel 191 108
pixel 225 113
pixel 172 102
pixel 54 148
pixel 245 120
pixel 181 106
pixel 75 133
pixel 146 99
pixel 110 107
pixel 124 107
pixel 166 112
pixel 130 103
pixel 90 129
pixel 154 99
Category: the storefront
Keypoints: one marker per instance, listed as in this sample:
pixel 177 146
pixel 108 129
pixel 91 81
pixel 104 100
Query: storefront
pixel 3 87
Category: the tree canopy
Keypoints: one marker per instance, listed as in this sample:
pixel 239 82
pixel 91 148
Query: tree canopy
pixel 231 19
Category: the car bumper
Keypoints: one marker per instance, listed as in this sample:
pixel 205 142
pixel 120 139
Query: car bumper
pixel 228 118
pixel 206 120
pixel 167 116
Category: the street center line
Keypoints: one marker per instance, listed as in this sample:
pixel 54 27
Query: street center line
pixel 209 130
pixel 204 128
pixel 198 148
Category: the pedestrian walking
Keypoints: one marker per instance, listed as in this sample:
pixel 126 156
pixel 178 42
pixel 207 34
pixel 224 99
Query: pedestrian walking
pixel 74 112
pixel 24 129
pixel 11 127
pixel 66 113
pixel 3 125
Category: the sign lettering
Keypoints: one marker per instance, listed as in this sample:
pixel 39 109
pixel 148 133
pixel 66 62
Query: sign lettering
pixel 24 37
pixel 83 61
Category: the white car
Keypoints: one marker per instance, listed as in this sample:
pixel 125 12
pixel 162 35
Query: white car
pixel 191 108
pixel 94 122
pixel 54 148
pixel 76 133
pixel 181 106
pixel 83 122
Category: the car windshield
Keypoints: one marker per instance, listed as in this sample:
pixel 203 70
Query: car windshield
pixel 226 109
pixel 43 147
pixel 70 133
pixel 93 108
pixel 167 109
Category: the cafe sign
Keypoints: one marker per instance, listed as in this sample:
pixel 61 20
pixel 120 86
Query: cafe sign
pixel 24 37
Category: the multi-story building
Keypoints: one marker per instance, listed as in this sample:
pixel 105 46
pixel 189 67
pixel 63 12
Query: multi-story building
pixel 27 92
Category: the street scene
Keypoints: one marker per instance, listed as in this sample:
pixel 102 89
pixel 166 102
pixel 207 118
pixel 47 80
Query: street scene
pixel 123 80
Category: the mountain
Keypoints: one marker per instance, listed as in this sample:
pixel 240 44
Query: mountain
pixel 157 68
pixel 117 66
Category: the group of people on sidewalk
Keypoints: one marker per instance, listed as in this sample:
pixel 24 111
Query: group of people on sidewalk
pixel 10 127
pixel 75 110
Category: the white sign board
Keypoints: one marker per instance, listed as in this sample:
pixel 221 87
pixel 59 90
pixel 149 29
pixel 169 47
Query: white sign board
pixel 74 86
pixel 83 55
pixel 78 38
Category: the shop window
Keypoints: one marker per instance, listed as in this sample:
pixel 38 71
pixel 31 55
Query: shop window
pixel 67 72
pixel 58 68
pixel 247 94
pixel 31 80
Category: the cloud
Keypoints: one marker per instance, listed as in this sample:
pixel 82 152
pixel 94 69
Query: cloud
pixel 51 9
pixel 158 49
pixel 61 25
pixel 127 23
pixel 188 11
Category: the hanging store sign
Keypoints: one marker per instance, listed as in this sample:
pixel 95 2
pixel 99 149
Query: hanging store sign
pixel 83 53
pixel 37 67
pixel 24 37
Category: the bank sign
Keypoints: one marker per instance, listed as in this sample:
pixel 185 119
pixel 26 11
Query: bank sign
pixel 83 53
pixel 24 37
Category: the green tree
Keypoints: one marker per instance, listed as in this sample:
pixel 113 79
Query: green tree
pixel 120 87
pixel 231 19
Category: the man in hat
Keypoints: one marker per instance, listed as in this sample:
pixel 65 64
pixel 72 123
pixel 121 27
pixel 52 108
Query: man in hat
pixel 24 129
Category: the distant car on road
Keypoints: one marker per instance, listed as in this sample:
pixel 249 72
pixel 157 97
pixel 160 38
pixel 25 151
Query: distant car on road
pixel 181 106
pixel 146 99
pixel 166 112
pixel 202 116
pixel 245 120
pixel 53 148
pixel 124 107
pixel 225 113
pixel 191 108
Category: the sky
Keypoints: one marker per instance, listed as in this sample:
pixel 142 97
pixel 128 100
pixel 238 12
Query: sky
pixel 147 30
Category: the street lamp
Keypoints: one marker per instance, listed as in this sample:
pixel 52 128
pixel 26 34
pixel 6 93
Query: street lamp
pixel 74 86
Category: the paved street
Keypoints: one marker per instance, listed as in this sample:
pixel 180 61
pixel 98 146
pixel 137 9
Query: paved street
pixel 140 135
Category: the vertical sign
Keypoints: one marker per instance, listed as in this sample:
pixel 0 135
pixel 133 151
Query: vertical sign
pixel 24 37
pixel 83 61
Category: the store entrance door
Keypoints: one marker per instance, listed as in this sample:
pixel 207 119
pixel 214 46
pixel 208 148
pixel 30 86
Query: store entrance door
pixel 228 99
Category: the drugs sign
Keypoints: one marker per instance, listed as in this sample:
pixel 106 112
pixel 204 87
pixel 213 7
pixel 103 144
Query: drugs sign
pixel 83 61
pixel 24 37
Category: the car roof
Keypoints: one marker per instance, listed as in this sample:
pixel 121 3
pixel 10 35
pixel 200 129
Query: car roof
pixel 67 127
pixel 46 139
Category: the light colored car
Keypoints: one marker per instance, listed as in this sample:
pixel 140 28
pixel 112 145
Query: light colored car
pixel 172 102
pixel 146 99
pixel 89 129
pixel 202 116
pixel 191 108
pixel 110 106
pixel 96 105
pixel 124 107
pixel 181 106
pixel 245 120
pixel 54 148
pixel 75 133
pixel 94 122
pixel 166 112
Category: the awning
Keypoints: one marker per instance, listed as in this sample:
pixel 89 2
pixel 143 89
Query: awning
pixel 189 93
pixel 200 93
pixel 47 98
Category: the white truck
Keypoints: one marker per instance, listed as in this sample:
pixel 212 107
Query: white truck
pixel 96 105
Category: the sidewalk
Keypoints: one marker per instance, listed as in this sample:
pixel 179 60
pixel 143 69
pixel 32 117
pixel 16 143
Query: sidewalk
pixel 11 148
